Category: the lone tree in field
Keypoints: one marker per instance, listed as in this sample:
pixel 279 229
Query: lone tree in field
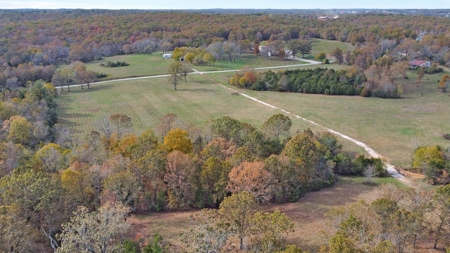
pixel 186 68
pixel 305 47
pixel 175 71
pixel 443 84
pixel 338 54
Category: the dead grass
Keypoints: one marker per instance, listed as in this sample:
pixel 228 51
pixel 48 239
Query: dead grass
pixel 308 215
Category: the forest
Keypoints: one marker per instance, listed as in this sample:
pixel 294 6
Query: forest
pixel 32 45
pixel 61 192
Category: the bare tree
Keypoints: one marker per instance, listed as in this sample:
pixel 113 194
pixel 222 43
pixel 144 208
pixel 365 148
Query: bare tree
pixel 95 232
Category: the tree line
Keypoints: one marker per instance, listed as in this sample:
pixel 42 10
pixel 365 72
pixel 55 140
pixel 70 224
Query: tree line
pixel 66 180
pixel 65 36
pixel 313 81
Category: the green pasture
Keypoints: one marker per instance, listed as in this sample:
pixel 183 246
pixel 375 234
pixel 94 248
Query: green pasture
pixel 327 46
pixel 140 65
pixel 250 60
pixel 392 127
pixel 155 64
pixel 147 100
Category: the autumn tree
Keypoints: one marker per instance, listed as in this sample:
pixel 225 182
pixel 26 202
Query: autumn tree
pixel 305 47
pixel 303 151
pixel 421 73
pixel 430 159
pixel 238 210
pixel 277 125
pixel 65 76
pixel 219 148
pixel 256 49
pixel 165 124
pixel 281 53
pixel 97 231
pixel 186 68
pixel 177 139
pixel 321 56
pixel 180 172
pixel 441 204
pixel 294 46
pixel 121 124
pixel 20 130
pixel 53 157
pixel 82 75
pixel 269 230
pixel 214 178
pixel 16 235
pixel 150 173
pixel 443 84
pixel 210 232
pixel 123 187
pixel 287 185
pixel 209 58
pixel 175 70
pixel 35 198
pixel 228 128
pixel 338 54
pixel 252 178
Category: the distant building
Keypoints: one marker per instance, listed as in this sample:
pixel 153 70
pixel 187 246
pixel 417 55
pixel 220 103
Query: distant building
pixel 419 63
pixel 322 18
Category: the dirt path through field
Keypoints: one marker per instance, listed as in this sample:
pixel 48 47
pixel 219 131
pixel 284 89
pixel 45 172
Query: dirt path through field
pixel 390 168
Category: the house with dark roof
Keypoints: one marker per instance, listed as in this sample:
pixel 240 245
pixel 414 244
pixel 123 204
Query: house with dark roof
pixel 419 63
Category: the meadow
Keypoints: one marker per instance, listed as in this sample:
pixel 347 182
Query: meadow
pixel 327 46
pixel 155 64
pixel 307 214
pixel 392 127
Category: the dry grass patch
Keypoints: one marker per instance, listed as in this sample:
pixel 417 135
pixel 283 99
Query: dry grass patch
pixel 308 215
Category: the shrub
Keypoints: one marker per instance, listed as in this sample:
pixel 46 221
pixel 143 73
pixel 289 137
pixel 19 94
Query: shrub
pixel 114 64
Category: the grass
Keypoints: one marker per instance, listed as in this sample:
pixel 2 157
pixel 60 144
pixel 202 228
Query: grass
pixel 154 64
pixel 254 61
pixel 327 46
pixel 392 127
pixel 140 65
pixel 307 214
pixel 147 100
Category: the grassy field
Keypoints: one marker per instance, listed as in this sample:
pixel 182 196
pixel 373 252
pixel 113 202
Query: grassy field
pixel 308 215
pixel 254 61
pixel 393 127
pixel 147 100
pixel 327 46
pixel 155 64
pixel 140 65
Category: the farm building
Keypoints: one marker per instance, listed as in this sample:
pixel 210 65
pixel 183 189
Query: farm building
pixel 419 63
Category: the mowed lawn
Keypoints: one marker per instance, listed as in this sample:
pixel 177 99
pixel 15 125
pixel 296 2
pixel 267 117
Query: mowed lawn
pixel 140 65
pixel 147 100
pixel 248 60
pixel 392 127
pixel 307 214
pixel 155 64
pixel 327 46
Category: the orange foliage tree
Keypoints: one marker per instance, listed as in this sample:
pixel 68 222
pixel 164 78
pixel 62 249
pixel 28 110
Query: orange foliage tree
pixel 253 178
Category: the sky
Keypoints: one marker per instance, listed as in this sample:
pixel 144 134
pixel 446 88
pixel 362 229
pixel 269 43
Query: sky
pixel 227 4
